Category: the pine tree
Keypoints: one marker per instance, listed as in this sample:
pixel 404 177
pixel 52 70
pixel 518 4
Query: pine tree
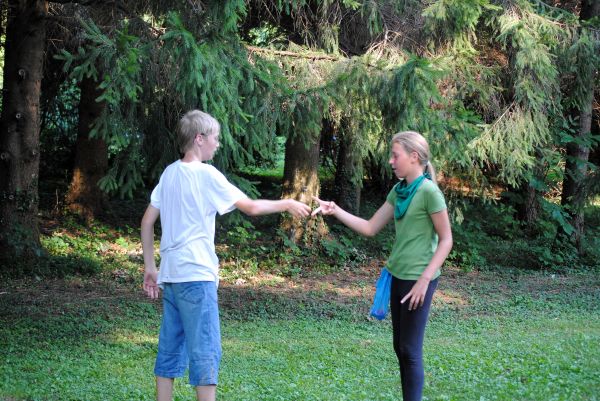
pixel 586 62
pixel 84 196
pixel 19 129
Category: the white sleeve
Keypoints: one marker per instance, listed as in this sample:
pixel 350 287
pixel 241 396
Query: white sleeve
pixel 223 195
pixel 155 196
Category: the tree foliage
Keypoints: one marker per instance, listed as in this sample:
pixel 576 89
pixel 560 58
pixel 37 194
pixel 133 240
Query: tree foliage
pixel 492 84
pixel 486 85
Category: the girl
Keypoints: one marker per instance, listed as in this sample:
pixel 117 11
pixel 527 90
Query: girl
pixel 423 241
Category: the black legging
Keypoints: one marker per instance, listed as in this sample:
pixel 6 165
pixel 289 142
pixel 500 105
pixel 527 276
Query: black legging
pixel 409 329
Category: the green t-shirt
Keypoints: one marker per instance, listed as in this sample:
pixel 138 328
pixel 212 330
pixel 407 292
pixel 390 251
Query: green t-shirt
pixel 416 239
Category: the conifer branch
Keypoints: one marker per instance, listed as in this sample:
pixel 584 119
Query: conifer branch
pixel 559 11
pixel 506 111
pixel 287 53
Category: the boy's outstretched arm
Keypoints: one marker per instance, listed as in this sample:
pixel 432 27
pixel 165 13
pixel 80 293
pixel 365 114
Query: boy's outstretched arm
pixel 364 227
pixel 147 234
pixel 260 207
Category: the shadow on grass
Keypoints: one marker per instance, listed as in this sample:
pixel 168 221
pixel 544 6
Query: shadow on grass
pixel 74 308
pixel 247 303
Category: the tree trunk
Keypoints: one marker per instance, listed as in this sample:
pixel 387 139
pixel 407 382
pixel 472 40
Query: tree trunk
pixel 575 172
pixel 91 157
pixel 348 166
pixel 20 128
pixel 301 182
pixel 578 155
pixel 528 208
pixel 589 9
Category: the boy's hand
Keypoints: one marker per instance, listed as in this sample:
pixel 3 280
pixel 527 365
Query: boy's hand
pixel 298 209
pixel 150 286
pixel 326 208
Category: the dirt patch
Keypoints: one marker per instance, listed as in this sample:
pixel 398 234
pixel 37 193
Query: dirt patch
pixel 44 297
pixel 356 287
pixel 265 293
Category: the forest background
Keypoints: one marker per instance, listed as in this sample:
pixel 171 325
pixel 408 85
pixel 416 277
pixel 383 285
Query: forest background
pixel 308 95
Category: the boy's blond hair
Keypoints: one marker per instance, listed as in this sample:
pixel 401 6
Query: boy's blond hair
pixel 192 123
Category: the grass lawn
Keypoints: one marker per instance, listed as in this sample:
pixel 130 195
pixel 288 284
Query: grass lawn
pixel 496 335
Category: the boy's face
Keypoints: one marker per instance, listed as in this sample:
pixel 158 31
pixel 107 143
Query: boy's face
pixel 210 145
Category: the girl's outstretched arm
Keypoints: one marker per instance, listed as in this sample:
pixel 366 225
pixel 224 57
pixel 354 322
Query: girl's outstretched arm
pixel 365 227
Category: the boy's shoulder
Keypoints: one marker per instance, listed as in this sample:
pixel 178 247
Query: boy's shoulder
pixel 211 171
pixel 194 166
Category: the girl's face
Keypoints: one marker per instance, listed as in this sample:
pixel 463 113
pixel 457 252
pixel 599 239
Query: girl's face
pixel 402 162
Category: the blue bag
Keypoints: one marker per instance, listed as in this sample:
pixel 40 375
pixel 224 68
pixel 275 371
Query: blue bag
pixel 381 302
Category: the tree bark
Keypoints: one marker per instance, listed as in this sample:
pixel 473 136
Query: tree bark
pixel 347 185
pixel 91 157
pixel 589 9
pixel 528 207
pixel 578 155
pixel 301 182
pixel 527 210
pixel 20 128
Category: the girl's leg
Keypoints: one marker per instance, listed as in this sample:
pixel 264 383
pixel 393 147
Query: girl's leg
pixel 409 331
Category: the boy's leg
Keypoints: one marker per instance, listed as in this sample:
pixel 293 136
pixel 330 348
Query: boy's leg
pixel 171 360
pixel 197 302
pixel 164 388
pixel 206 393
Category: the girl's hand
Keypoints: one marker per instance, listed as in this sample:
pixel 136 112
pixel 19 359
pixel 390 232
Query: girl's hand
pixel 416 295
pixel 326 208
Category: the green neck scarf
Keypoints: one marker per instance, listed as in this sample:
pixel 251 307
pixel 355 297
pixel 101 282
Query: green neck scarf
pixel 405 194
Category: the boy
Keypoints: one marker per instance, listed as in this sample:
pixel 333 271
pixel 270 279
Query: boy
pixel 187 197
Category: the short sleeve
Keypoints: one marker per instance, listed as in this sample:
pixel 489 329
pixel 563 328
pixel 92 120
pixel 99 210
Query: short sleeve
pixel 391 198
pixel 434 199
pixel 155 196
pixel 223 194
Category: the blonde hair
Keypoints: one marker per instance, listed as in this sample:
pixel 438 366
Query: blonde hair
pixel 412 141
pixel 192 123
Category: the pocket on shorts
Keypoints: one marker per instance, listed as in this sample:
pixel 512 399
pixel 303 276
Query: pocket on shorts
pixel 195 291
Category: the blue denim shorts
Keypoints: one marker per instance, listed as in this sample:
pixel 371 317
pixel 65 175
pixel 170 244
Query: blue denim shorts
pixel 190 333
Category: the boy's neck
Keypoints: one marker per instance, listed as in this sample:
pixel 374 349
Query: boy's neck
pixel 191 156
pixel 190 160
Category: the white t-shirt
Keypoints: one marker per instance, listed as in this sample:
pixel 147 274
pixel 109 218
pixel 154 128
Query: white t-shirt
pixel 188 196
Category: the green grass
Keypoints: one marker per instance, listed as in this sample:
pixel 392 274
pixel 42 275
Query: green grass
pixel 507 335
pixel 295 324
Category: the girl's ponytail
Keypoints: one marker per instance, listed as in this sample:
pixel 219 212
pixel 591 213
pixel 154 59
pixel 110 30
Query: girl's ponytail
pixel 429 169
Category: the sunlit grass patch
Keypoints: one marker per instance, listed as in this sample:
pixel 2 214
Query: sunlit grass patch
pixel 488 338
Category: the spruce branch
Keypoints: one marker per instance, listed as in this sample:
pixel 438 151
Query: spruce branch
pixel 286 53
